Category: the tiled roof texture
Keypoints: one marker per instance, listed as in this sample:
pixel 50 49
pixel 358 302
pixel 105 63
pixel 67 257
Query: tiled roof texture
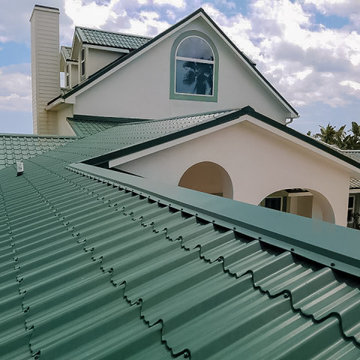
pixel 66 50
pixel 111 39
pixel 86 128
pixel 354 183
pixel 14 147
pixel 89 125
pixel 92 270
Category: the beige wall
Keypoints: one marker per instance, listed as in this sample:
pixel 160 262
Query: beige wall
pixel 141 88
pixel 63 127
pixel 45 60
pixel 258 162
pixel 97 59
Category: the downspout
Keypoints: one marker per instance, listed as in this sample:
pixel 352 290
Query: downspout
pixel 289 121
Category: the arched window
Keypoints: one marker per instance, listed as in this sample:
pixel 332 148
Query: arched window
pixel 194 68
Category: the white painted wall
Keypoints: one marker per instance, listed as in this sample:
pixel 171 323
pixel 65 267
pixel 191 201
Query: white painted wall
pixel 141 88
pixel 44 66
pixel 258 162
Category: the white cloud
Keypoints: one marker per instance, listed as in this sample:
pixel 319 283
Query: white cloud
pixel 352 84
pixel 181 4
pixel 15 88
pixel 90 14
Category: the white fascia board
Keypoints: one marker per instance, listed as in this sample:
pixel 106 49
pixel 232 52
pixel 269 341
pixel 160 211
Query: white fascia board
pixel 137 155
pixel 132 58
pixel 294 115
pixel 107 48
pixel 354 171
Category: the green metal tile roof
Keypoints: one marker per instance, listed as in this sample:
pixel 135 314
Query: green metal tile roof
pixel 66 51
pixel 96 264
pixel 110 39
pixel 93 269
pixel 14 147
pixel 84 125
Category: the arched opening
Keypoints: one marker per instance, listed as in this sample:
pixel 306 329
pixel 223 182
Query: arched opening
pixel 303 202
pixel 208 177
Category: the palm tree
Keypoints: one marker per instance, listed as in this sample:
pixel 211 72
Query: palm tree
pixel 327 134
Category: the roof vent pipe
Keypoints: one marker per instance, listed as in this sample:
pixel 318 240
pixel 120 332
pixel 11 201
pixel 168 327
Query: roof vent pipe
pixel 19 168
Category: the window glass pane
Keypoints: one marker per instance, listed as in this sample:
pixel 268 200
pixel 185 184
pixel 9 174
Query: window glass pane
pixel 194 47
pixel 273 203
pixel 351 202
pixel 194 78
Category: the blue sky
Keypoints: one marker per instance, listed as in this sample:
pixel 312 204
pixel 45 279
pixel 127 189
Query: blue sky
pixel 308 49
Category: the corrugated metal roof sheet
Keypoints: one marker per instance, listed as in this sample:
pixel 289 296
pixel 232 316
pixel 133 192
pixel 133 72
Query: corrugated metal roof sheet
pixel 92 270
pixel 15 147
pixel 110 39
pixel 102 272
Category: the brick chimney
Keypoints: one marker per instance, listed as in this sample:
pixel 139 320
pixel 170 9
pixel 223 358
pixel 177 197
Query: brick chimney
pixel 44 66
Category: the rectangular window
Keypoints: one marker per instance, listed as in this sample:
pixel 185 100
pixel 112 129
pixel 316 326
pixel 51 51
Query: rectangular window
pixel 67 76
pixel 351 209
pixel 82 62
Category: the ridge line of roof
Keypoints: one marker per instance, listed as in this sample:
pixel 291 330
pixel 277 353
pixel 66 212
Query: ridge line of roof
pixel 165 138
pixel 239 216
pixel 248 110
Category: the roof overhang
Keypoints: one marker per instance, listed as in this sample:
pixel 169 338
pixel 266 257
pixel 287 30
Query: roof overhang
pixel 235 117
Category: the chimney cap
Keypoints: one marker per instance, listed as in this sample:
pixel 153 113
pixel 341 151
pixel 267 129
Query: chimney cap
pixel 44 8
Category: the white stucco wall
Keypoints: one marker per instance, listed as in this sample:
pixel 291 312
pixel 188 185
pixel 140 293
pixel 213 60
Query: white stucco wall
pixel 141 88
pixel 258 162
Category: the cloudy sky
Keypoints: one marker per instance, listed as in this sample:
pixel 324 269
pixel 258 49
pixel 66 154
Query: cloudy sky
pixel 308 49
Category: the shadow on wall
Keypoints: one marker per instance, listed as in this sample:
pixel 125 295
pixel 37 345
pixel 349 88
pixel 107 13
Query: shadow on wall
pixel 303 202
pixel 208 177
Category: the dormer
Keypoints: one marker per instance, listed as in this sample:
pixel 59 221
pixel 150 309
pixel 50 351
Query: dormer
pixel 69 67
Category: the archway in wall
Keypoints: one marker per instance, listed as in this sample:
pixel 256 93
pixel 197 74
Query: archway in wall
pixel 303 202
pixel 208 177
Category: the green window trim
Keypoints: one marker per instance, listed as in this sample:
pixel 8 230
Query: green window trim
pixel 193 97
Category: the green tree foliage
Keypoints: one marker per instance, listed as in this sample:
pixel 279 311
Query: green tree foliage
pixel 344 140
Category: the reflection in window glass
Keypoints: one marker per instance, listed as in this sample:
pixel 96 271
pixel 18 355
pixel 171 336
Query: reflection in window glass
pixel 194 78
pixel 196 48
pixel 194 67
